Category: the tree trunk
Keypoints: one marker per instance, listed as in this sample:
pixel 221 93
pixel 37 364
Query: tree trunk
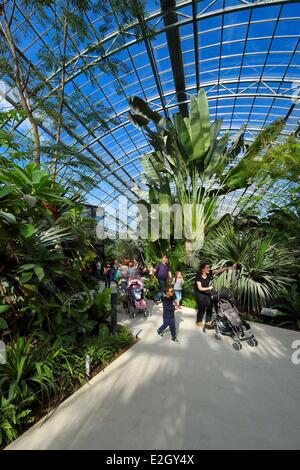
pixel 21 83
pixel 188 246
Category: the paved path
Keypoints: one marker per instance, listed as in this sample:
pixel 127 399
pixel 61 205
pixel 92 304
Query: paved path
pixel 199 394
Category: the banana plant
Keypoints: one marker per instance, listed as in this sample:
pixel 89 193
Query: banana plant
pixel 189 153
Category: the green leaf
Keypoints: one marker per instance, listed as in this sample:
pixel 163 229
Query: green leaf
pixel 10 218
pixel 199 126
pixel 25 277
pixel 27 230
pixel 6 190
pixel 40 176
pixel 184 136
pixel 142 108
pixel 204 115
pixel 25 267
pixel 3 324
pixel 217 155
pixel 4 308
pixel 137 120
pixel 31 287
pixel 39 272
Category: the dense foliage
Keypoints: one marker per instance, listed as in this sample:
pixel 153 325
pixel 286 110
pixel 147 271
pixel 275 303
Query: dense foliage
pixel 37 375
pixel 51 314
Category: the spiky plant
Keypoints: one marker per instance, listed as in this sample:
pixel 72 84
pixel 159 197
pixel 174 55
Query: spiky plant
pixel 263 266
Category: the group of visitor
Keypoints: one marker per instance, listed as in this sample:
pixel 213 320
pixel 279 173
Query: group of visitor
pixel 202 287
pixel 164 276
pixel 169 287
pixel 121 272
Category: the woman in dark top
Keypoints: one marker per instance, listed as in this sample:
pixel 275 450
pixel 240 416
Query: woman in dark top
pixel 203 287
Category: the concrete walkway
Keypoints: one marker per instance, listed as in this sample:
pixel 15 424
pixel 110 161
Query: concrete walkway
pixel 199 394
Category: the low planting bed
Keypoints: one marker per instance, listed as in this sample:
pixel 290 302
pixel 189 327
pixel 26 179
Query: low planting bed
pixel 39 375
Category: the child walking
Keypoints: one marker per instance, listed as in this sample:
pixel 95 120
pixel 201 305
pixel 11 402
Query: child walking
pixel 168 315
pixel 178 284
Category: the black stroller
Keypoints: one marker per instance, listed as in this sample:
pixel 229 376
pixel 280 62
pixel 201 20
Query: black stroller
pixel 227 320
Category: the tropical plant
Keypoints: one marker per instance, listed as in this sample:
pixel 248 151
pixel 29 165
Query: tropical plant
pixel 151 286
pixel 189 153
pixel 186 153
pixel 264 265
pixel 11 420
pixel 101 306
pixel 44 242
pixel 24 375
pixel 289 306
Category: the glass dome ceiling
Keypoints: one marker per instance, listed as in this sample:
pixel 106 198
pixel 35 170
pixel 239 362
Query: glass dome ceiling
pixel 245 54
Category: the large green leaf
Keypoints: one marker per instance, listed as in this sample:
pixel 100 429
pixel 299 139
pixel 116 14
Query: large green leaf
pixel 196 131
pixel 25 277
pixel 3 323
pixel 142 108
pixel 39 271
pixel 25 267
pixel 40 176
pixel 199 125
pixel 216 156
pixel 137 120
pixel 4 308
pixel 6 190
pixel 204 116
pixel 27 230
pixel 8 217
pixel 151 166
pixel 183 136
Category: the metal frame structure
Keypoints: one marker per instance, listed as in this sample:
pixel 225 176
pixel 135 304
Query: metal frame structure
pixel 254 83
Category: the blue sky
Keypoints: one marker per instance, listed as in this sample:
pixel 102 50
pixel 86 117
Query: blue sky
pixel 249 61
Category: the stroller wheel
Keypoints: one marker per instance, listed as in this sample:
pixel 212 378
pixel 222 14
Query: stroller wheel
pixel 217 333
pixel 237 346
pixel 252 342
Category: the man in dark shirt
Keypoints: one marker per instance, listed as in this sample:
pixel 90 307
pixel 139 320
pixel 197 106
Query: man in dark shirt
pixel 163 273
pixel 168 315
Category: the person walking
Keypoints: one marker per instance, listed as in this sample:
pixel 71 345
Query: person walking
pixel 107 275
pixel 98 270
pixel 123 275
pixel 163 274
pixel 113 271
pixel 132 271
pixel 178 285
pixel 168 315
pixel 203 287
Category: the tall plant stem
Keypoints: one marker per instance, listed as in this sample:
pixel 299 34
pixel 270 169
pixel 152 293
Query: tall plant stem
pixel 20 80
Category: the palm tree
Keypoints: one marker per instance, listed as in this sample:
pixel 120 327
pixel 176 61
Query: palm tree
pixel 264 265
